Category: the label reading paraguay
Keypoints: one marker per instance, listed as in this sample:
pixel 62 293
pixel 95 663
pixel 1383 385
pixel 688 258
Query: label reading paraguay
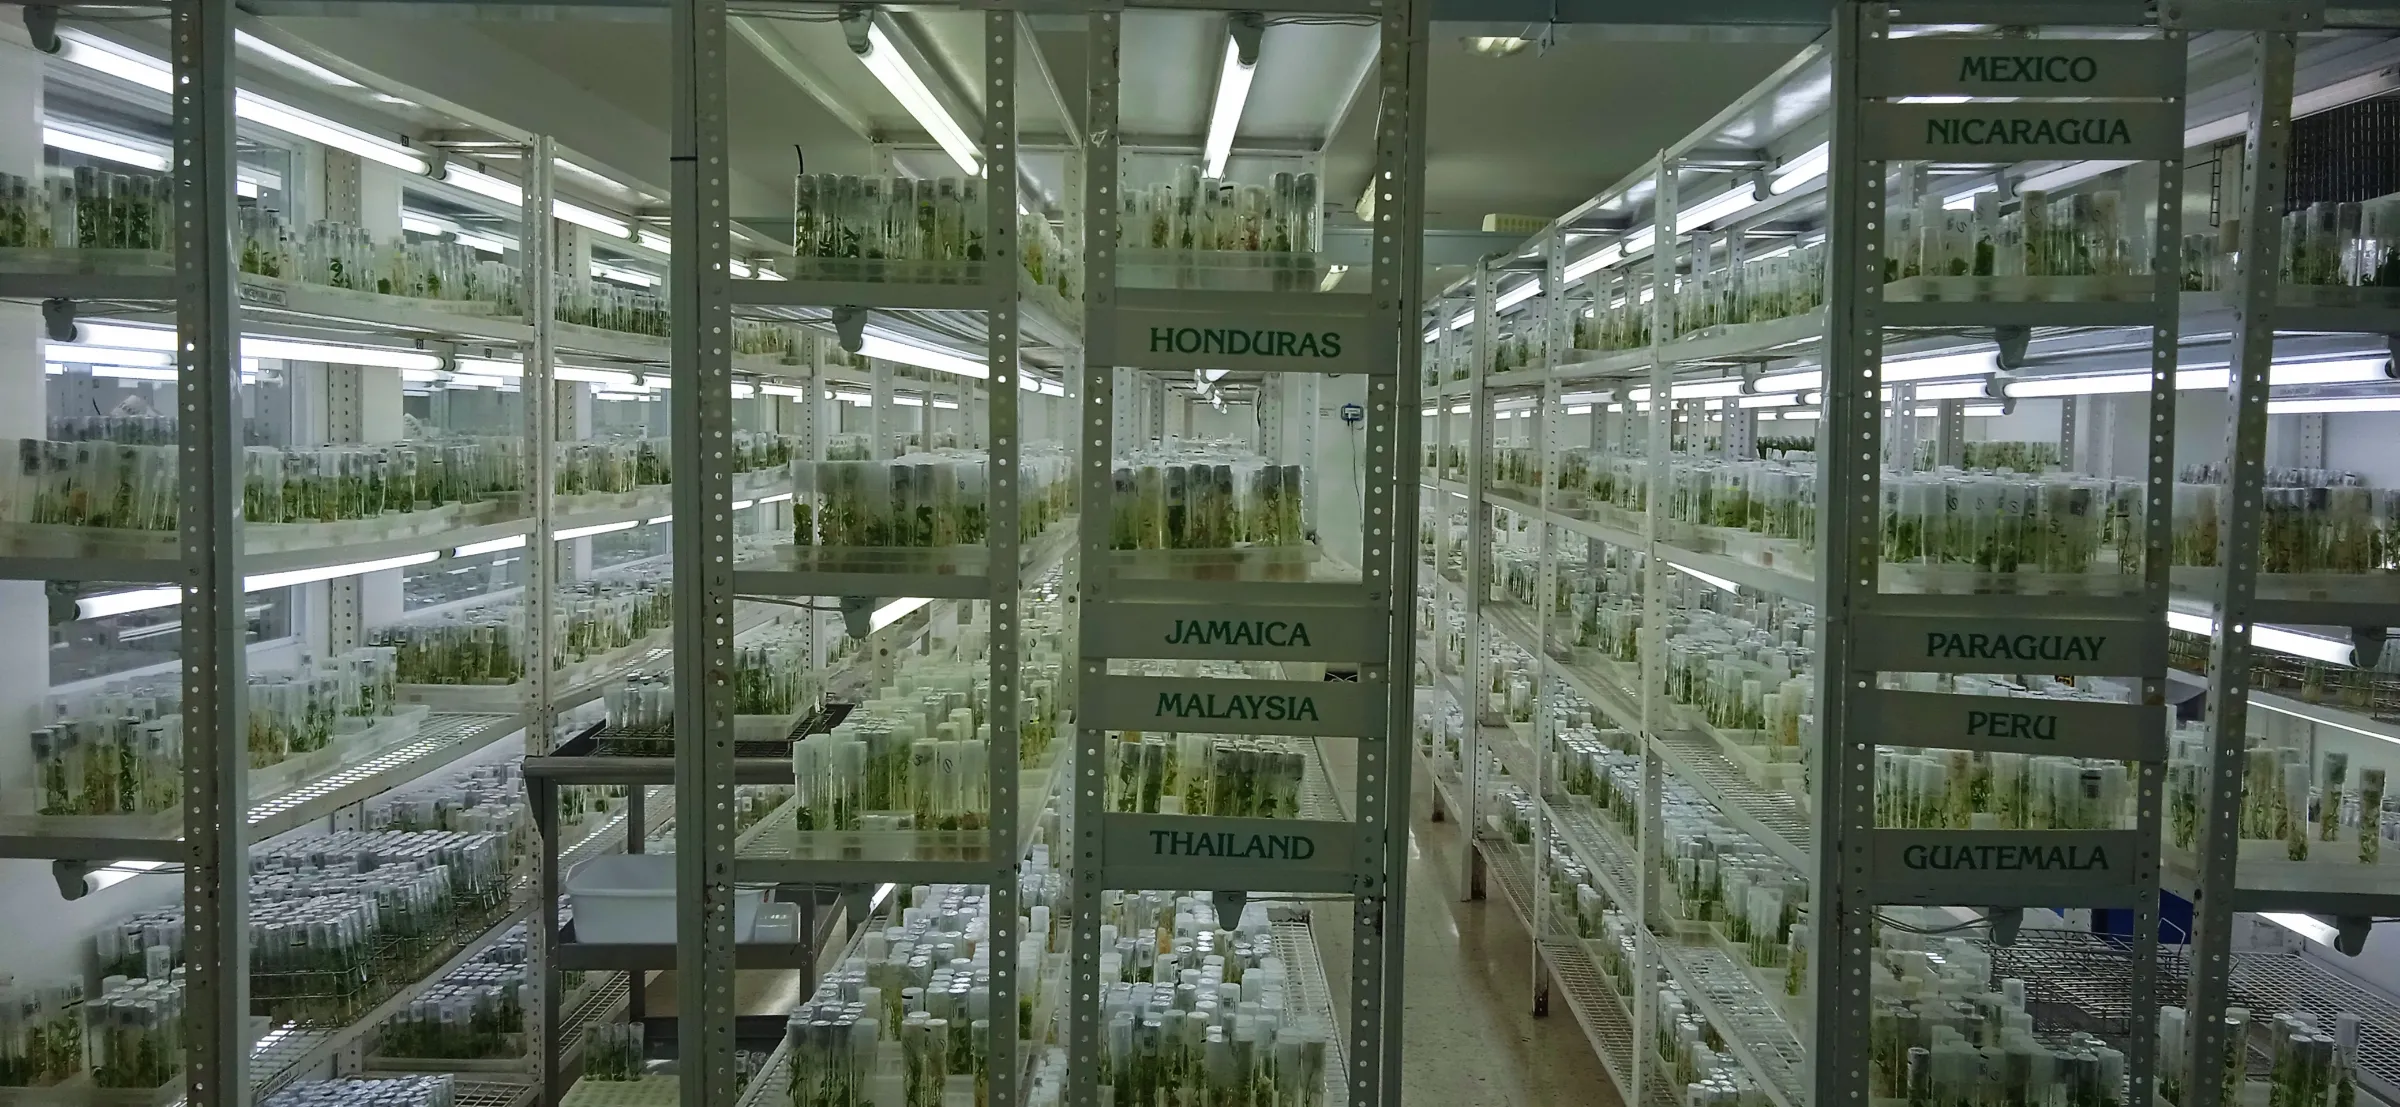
pixel 1229 844
pixel 1270 707
pixel 2006 858
pixel 1972 646
pixel 1234 342
pixel 1238 632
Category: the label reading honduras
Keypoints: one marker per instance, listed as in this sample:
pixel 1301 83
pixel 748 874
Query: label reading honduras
pixel 1212 853
pixel 2024 131
pixel 1929 66
pixel 1910 643
pixel 1166 338
pixel 1231 706
pixel 2018 724
pixel 1236 632
pixel 2005 868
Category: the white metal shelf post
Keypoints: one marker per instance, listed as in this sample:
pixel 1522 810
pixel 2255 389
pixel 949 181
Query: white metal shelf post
pixel 1475 675
pixel 1548 430
pixel 1363 622
pixel 216 766
pixel 2266 154
pixel 1895 101
pixel 701 410
pixel 1649 907
pixel 539 396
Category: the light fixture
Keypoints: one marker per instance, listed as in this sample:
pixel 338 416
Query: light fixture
pixel 1498 46
pixel 2333 405
pixel 76 353
pixel 265 581
pixel 2306 926
pixel 381 357
pixel 1517 295
pixel 2270 638
pixel 1696 390
pixel 1802 169
pixel 1981 364
pixel 1720 206
pixel 1780 399
pixel 263 48
pixel 783 390
pixel 1225 113
pixel 1961 390
pixel 1579 409
pixel 596 528
pixel 493 188
pixel 623 275
pixel 1708 578
pixel 884 61
pixel 2365 370
pixel 124 603
pixel 887 349
pixel 1333 276
pixel 109 149
pixel 1972 411
pixel 472 549
pixel 895 611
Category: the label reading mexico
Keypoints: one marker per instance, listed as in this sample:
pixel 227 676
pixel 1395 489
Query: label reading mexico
pixel 1959 66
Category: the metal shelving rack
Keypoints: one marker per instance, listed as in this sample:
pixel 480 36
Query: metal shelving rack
pixel 1843 92
pixel 1362 623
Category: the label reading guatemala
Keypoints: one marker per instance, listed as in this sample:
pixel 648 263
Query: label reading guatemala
pixel 2006 868
pixel 2006 858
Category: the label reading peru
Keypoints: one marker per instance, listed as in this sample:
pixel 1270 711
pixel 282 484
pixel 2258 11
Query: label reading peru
pixel 1212 853
pixel 2006 868
pixel 1230 706
pixel 1234 632
pixel 1929 66
pixel 1999 644
pixel 1165 339
pixel 2025 131
pixel 2019 724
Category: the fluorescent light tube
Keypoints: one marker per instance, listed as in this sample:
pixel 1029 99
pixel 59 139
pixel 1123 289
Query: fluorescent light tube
pixel 1722 205
pixel 1580 409
pixel 125 603
pixel 777 498
pixel 2306 926
pixel 97 147
pixel 878 346
pixel 895 611
pixel 471 549
pixel 1517 295
pixel 952 405
pixel 263 48
pixel 620 273
pixel 884 61
pixel 1780 399
pixel 266 581
pixel 2333 405
pixel 743 505
pixel 383 357
pixel 493 188
pixel 1708 578
pixel 597 528
pixel 585 217
pixel 75 353
pixel 2105 385
pixel 1981 364
pixel 1801 170
pixel 1961 390
pixel 2268 638
pixel 1225 114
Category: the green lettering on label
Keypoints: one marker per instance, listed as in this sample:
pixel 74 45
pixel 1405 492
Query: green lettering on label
pixel 2052 69
pixel 1232 342
pixel 1228 844
pixel 2007 858
pixel 1247 707
pixel 1238 632
pixel 1973 646
pixel 1971 131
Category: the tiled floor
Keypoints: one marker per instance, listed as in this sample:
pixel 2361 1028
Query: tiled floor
pixel 1470 1038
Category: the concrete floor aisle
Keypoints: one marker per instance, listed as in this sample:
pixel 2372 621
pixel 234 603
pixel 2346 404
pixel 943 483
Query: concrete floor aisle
pixel 1471 1039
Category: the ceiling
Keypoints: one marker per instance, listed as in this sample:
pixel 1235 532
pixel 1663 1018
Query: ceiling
pixel 1528 134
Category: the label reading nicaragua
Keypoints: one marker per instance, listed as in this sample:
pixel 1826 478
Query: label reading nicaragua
pixel 1238 632
pixel 2096 130
pixel 1233 342
pixel 2014 647
pixel 2013 724
pixel 1270 707
pixel 2052 69
pixel 1202 843
pixel 2007 858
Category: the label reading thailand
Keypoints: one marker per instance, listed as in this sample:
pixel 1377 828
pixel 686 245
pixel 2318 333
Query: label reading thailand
pixel 1229 706
pixel 1235 632
pixel 1957 66
pixel 2006 868
pixel 1226 843
pixel 1206 852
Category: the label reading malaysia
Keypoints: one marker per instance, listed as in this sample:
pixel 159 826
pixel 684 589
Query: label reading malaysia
pixel 2019 724
pixel 1164 339
pixel 1930 66
pixel 1969 644
pixel 1213 853
pixel 1229 706
pixel 2006 868
pixel 2024 131
pixel 1233 632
